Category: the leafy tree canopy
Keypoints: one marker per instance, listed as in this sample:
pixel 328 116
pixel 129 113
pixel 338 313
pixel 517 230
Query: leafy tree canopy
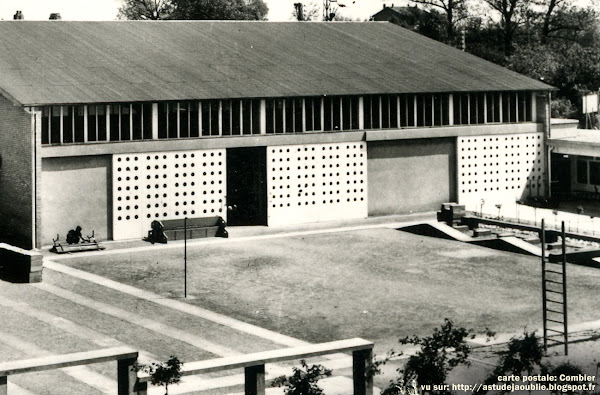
pixel 145 9
pixel 194 9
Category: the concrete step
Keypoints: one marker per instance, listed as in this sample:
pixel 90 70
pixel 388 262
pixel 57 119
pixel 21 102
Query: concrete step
pixel 554 246
pixel 481 232
pixel 462 228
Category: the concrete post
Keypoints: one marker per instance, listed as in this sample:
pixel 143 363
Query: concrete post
pixel 154 121
pixel 450 109
pixel 254 380
pixel 263 116
pixel 126 376
pixel 141 389
pixel 361 359
pixel 361 113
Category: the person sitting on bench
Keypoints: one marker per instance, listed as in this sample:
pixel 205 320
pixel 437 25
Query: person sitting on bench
pixel 74 236
pixel 157 234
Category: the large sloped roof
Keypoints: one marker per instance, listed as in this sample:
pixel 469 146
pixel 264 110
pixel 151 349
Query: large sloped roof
pixel 59 62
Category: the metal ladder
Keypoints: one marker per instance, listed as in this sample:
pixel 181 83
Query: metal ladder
pixel 554 296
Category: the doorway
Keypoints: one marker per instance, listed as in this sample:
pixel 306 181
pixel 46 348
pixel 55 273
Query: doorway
pixel 247 186
pixel 560 171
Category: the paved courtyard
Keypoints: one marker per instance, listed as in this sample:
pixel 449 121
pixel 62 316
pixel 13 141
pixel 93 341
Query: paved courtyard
pixel 256 292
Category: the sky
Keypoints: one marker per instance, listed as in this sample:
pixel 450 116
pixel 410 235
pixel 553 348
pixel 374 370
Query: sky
pixel 106 10
pixel 94 10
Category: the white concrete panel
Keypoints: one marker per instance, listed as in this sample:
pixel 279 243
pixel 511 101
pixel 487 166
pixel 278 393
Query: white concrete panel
pixel 499 169
pixel 166 185
pixel 316 182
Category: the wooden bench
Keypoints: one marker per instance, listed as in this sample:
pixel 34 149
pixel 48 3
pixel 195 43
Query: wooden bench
pixel 197 228
pixel 254 364
pixel 125 357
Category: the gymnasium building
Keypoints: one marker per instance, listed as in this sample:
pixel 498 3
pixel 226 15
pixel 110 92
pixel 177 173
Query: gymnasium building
pixel 111 125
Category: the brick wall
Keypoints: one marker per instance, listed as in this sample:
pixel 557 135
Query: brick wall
pixel 16 175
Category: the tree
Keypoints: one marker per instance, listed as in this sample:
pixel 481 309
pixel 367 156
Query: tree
pixel 551 5
pixel 257 10
pixel 454 11
pixel 219 9
pixel 483 39
pixel 164 373
pixel 513 13
pixel 306 12
pixel 561 21
pixel 194 9
pixel 428 23
pixel 566 59
pixel 145 9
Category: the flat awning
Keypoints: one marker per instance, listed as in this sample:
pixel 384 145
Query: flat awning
pixel 584 142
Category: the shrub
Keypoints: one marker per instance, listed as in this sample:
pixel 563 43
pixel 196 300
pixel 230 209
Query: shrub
pixel 523 356
pixel 304 380
pixel 568 369
pixel 164 373
pixel 445 349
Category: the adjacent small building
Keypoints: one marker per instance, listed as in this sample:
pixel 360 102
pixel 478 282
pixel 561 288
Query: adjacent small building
pixel 392 13
pixel 575 164
pixel 111 125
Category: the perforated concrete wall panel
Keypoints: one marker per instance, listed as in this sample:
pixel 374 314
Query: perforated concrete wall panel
pixel 316 182
pixel 166 185
pixel 500 169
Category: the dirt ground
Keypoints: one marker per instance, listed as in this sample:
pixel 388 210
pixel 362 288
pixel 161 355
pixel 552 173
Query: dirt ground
pixel 378 284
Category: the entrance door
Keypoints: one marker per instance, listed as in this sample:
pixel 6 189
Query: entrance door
pixel 246 186
pixel 561 175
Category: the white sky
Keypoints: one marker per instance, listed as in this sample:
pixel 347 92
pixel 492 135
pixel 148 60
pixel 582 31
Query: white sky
pixel 90 10
pixel 95 10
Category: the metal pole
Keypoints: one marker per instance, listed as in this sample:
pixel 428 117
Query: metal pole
pixel 544 285
pixel 185 257
pixel 564 281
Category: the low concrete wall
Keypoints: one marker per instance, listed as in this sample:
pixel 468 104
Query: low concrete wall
pixel 20 266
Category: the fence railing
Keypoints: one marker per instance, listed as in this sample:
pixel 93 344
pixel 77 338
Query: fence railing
pixel 125 357
pixel 130 382
pixel 254 364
